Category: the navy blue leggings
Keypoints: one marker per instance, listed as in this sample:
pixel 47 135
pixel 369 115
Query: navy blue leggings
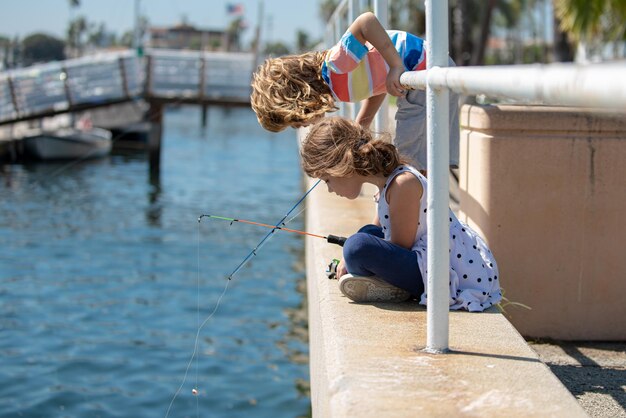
pixel 366 253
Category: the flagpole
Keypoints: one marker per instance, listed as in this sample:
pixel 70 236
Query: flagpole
pixel 257 42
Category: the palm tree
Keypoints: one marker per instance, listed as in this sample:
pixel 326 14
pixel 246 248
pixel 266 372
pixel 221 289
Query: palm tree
pixel 72 31
pixel 408 15
pixel 471 25
pixel 327 7
pixel 75 32
pixel 586 21
pixel 478 58
pixel 303 43
pixel 234 31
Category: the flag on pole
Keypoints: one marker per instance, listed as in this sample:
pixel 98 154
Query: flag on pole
pixel 234 9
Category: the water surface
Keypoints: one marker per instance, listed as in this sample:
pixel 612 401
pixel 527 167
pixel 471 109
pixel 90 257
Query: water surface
pixel 100 280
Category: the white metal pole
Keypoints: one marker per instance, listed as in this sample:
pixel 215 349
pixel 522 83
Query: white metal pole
pixel 437 110
pixel 335 22
pixel 353 10
pixel 381 121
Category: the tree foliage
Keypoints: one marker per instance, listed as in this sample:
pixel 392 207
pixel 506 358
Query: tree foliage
pixel 40 47
pixel 99 36
pixel 408 15
pixel 276 49
pixel 586 19
pixel 75 32
pixel 234 31
pixel 327 7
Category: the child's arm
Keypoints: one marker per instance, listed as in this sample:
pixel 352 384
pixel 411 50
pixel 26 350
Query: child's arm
pixel 367 28
pixel 369 107
pixel 404 194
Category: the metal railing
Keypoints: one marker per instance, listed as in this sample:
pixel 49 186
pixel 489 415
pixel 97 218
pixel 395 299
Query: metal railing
pixel 97 80
pixel 598 85
pixel 591 85
pixel 342 17
pixel 556 84
pixel 58 86
pixel 199 75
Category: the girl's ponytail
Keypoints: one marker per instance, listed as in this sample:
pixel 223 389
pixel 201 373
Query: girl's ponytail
pixel 339 147
pixel 377 156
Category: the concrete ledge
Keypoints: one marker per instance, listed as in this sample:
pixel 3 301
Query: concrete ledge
pixel 365 359
pixel 545 187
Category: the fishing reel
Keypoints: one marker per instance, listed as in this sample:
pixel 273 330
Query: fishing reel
pixel 331 270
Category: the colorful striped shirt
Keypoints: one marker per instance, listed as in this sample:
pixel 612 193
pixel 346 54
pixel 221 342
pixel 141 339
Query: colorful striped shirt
pixel 355 71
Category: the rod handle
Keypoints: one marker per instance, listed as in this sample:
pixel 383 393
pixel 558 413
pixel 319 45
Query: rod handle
pixel 334 239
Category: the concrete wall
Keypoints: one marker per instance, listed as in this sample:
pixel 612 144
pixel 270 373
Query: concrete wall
pixel 366 360
pixel 547 188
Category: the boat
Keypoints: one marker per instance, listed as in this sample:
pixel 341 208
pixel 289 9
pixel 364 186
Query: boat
pixel 68 143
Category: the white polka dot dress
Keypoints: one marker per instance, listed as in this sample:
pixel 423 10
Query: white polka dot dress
pixel 474 281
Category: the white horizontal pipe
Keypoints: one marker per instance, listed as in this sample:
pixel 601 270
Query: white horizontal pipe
pixel 597 85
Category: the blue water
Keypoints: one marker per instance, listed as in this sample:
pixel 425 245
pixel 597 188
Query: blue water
pixel 100 279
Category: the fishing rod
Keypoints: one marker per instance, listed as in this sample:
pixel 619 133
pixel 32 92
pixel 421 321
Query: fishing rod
pixel 269 234
pixel 252 253
pixel 332 239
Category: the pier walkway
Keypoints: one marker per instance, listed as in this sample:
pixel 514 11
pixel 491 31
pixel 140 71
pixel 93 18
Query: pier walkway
pixel 367 360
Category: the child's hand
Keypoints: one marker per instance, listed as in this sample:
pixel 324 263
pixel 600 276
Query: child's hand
pixel 393 81
pixel 341 269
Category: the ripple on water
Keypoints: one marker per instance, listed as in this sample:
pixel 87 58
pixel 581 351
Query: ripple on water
pixel 99 279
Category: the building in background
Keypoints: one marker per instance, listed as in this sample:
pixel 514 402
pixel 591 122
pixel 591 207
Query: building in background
pixel 186 36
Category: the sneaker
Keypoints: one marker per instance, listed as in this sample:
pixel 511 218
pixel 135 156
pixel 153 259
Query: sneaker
pixel 370 289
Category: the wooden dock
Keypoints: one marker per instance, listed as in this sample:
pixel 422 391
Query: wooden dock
pixel 165 76
pixel 159 78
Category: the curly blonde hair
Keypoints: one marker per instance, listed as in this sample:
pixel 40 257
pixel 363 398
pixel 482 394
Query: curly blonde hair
pixel 340 147
pixel 290 90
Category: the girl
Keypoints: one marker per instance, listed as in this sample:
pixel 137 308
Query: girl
pixel 298 90
pixel 386 261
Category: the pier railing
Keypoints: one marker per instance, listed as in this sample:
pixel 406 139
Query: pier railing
pixel 56 87
pixel 598 85
pixel 199 76
pixel 104 79
pixel 342 17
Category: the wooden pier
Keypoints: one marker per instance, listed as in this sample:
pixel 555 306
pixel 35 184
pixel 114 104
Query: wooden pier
pixel 159 78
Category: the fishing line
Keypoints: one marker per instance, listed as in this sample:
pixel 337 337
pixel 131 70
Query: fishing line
pixel 296 215
pixel 219 300
pixel 198 318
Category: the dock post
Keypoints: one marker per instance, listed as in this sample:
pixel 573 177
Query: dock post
pixel 16 108
pixel 202 88
pixel 123 77
pixel 155 117
pixel 205 111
